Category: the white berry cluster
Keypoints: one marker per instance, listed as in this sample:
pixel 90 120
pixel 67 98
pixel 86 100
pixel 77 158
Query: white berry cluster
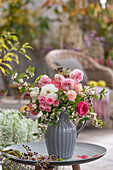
pixel 89 90
pixel 14 76
pixel 29 73
pixel 92 116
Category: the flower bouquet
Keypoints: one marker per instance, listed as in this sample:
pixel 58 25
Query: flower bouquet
pixel 50 97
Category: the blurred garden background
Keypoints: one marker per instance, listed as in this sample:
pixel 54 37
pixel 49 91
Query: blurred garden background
pixel 29 29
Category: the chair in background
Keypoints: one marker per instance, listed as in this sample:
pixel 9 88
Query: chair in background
pixel 69 58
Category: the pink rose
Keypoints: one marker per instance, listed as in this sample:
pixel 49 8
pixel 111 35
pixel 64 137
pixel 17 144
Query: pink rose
pixel 32 110
pixel 44 80
pixel 42 99
pixel 82 108
pixel 78 87
pixel 57 84
pixel 41 107
pixel 76 75
pixel 71 94
pixel 68 84
pixel 59 78
pixel 56 103
pixel 49 100
pixel 48 109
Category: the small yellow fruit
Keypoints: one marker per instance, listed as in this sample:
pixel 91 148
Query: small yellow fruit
pixel 102 83
pixel 92 82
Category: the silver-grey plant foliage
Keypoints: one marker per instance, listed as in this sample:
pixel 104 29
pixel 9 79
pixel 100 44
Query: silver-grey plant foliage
pixel 14 130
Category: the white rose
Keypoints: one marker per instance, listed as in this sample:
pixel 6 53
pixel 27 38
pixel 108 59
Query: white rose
pixel 49 91
pixel 35 92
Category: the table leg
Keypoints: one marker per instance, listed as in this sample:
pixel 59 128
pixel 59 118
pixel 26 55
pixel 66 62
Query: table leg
pixel 76 167
pixel 38 168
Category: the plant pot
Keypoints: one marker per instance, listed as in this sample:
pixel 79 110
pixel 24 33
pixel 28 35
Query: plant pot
pixel 61 139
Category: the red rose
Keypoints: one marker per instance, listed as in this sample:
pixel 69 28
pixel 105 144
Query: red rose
pixel 82 108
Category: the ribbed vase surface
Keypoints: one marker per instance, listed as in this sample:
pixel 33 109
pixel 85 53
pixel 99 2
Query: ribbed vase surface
pixel 60 139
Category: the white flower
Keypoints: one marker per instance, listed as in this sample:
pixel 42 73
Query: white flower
pixel 25 84
pixel 49 91
pixel 14 76
pixel 93 115
pixel 34 106
pixel 21 80
pixel 35 92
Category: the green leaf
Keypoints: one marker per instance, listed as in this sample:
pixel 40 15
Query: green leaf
pixel 74 117
pixel 95 96
pixel 38 110
pixel 55 123
pixel 29 47
pixel 43 131
pixel 37 80
pixel 50 123
pixel 92 86
pixel 100 97
pixel 16 79
pixel 91 109
pixel 10 43
pixel 67 112
pixel 37 102
pixel 21 76
pixel 10 157
pixel 35 134
pixel 22 90
pixel 27 57
pixel 7 72
pixel 74 106
pixel 102 91
pixel 86 118
pixel 13 37
pixel 60 159
pixel 80 121
pixel 39 120
pixel 4 46
pixel 24 50
pixel 25 44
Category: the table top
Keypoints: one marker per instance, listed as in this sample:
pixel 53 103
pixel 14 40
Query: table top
pixel 80 149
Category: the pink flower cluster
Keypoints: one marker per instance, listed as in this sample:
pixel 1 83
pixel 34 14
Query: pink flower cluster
pixel 44 104
pixel 32 110
pixel 71 87
pixel 44 80
pixel 73 82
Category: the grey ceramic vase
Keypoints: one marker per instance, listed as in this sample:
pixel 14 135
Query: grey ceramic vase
pixel 60 139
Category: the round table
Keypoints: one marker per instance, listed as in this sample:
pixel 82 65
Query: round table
pixel 80 149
